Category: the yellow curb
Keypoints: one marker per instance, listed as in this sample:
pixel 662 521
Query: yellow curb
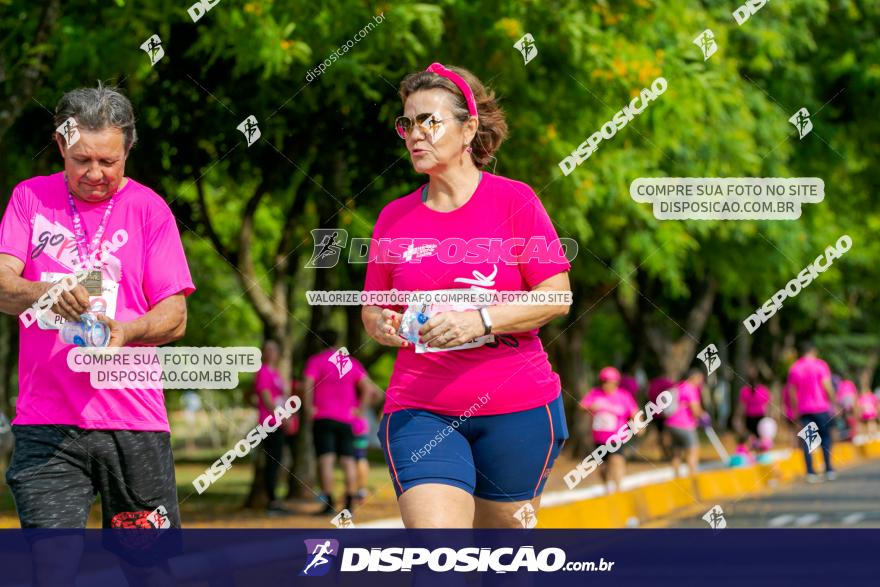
pixel 654 501
pixel 729 482
pixel 871 449
pixel 607 511
pixel 791 467
pixel 842 454
pixel 657 500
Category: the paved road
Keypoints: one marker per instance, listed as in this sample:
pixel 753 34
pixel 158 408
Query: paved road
pixel 850 501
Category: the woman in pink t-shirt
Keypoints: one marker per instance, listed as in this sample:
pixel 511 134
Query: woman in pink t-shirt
pixel 867 410
pixel 610 406
pixel 268 395
pixel 753 401
pixel 847 396
pixel 682 419
pixel 473 415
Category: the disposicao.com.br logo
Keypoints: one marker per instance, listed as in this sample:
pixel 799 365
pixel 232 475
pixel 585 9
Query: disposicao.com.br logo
pixel 322 553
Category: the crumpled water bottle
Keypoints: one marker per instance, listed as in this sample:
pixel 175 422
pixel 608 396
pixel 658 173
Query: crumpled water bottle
pixel 89 331
pixel 413 318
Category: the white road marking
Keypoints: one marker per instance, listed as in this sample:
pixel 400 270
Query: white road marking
pixel 807 520
pixel 854 518
pixel 780 520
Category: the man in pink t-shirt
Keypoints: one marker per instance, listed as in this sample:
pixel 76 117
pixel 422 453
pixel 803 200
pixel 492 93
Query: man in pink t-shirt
pixel 811 396
pixel 610 407
pixel 338 389
pixel 73 440
pixel 681 421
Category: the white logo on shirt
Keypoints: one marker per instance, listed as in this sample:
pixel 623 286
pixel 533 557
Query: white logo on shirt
pixel 57 242
pixel 479 281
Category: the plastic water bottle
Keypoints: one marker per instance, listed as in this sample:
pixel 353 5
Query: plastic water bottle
pixel 89 331
pixel 413 319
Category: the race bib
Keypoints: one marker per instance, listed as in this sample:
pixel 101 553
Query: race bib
pixel 479 341
pixel 49 320
pixel 604 422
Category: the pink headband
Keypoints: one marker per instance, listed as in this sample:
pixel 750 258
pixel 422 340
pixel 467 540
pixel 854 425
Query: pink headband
pixel 458 81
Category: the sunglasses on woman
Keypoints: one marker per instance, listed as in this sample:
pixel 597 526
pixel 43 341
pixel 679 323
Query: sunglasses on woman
pixel 429 123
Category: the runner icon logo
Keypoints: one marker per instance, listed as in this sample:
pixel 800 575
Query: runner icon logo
pixel 321 555
pixel 526 46
pixel 158 518
pixel 810 435
pixel 801 121
pixel 706 42
pixel 249 129
pixel 68 129
pixel 343 520
pixel 526 516
pixel 341 360
pixel 715 518
pixel 710 358
pixel 153 48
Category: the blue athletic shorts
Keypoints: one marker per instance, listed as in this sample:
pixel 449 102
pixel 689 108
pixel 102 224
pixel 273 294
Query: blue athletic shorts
pixel 507 457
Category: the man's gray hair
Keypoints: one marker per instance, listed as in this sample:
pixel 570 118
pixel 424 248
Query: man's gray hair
pixel 97 109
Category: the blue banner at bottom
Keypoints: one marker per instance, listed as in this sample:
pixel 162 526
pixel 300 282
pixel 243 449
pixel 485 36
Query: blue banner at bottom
pixel 436 557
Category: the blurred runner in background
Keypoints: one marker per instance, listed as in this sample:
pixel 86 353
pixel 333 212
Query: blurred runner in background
pixel 811 396
pixel 269 394
pixel 610 407
pixel 655 387
pixel 867 411
pixel 847 396
pixel 360 428
pixel 334 381
pixel 684 413
pixel 629 384
pixel 754 399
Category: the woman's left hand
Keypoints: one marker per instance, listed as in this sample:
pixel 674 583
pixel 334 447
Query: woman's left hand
pixel 451 329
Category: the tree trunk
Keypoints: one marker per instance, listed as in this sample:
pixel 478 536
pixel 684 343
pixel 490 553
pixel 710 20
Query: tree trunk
pixel 675 356
pixel 564 342
pixel 866 375
pixel 305 483
pixel 567 352
pixel 742 364
pixel 304 480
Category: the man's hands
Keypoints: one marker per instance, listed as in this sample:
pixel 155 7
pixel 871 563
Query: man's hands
pixel 70 304
pixel 118 335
